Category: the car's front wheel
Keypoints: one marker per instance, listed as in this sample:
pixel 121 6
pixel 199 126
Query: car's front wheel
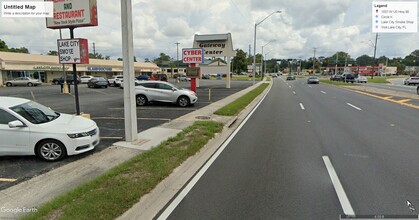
pixel 30 84
pixel 141 100
pixel 8 84
pixel 51 150
pixel 183 101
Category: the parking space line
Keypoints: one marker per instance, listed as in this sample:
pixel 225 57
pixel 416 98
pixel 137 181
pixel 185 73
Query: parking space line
pixel 33 96
pixel 294 92
pixel 343 198
pixel 7 180
pixel 353 106
pixel 122 118
pixel 302 106
pixel 104 93
pixel 112 138
pixel 323 92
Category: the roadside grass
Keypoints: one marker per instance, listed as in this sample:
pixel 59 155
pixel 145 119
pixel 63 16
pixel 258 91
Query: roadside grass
pixel 338 83
pixel 238 105
pixel 379 79
pixel 244 78
pixel 113 193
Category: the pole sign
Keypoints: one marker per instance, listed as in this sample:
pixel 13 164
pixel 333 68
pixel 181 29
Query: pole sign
pixel 192 72
pixel 193 55
pixel 73 51
pixel 73 13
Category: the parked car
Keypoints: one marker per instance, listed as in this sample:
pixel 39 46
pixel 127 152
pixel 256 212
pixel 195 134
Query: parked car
pixel 98 82
pixel 23 81
pixel 336 77
pixel 348 77
pixel 160 91
pixel 290 77
pixel 206 76
pixel 69 79
pixel 411 81
pixel 313 80
pixel 85 79
pixel 160 76
pixel 115 80
pixel 361 79
pixel 136 83
pixel 143 77
pixel 29 128
pixel 184 78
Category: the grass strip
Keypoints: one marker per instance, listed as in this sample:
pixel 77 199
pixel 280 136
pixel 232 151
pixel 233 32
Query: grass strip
pixel 116 191
pixel 378 79
pixel 338 83
pixel 239 104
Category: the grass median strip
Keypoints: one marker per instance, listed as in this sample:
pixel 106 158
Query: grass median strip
pixel 337 83
pixel 114 192
pixel 238 105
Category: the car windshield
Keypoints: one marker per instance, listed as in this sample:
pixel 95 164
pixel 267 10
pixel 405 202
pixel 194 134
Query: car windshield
pixel 35 112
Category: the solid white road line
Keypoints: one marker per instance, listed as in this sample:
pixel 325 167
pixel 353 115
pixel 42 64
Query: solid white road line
pixel 353 106
pixel 302 106
pixel 323 92
pixel 7 180
pixel 343 199
pixel 309 86
pixel 289 86
pixel 172 206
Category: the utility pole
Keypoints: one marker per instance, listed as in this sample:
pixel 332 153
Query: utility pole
pixel 250 49
pixel 94 49
pixel 314 57
pixel 375 50
pixel 177 57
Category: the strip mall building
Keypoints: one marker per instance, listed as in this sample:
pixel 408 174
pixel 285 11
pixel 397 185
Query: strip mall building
pixel 46 68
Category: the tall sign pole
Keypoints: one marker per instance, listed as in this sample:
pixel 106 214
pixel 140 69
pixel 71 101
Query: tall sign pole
pixel 130 110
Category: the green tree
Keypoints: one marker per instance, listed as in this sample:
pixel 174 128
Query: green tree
pixel 364 60
pixel 163 58
pixel 52 52
pixel 240 61
pixel 3 46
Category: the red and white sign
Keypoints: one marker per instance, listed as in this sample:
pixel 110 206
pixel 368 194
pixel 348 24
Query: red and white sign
pixel 73 13
pixel 73 51
pixel 193 55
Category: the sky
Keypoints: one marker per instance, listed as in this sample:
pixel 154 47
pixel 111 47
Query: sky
pixel 327 25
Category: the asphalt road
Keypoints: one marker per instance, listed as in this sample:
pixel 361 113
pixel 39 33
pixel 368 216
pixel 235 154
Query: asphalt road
pixel 107 110
pixel 394 87
pixel 274 168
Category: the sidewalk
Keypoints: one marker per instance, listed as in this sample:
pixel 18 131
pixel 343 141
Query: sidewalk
pixel 33 193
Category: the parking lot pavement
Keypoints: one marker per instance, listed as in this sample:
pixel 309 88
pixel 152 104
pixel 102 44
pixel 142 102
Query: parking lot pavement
pixel 107 110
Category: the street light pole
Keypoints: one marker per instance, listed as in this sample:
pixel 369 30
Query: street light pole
pixel 254 44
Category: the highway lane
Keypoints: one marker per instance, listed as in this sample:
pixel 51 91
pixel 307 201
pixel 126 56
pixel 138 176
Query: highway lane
pixel 274 168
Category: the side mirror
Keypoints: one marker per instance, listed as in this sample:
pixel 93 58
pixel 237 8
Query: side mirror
pixel 174 89
pixel 16 124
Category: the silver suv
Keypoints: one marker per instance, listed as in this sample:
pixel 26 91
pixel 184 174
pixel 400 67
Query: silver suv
pixel 411 81
pixel 160 91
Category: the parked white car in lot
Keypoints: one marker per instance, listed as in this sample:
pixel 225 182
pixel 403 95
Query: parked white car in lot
pixel 361 79
pixel 29 128
pixel 116 80
pixel 160 91
pixel 86 79
pixel 23 81
pixel 136 83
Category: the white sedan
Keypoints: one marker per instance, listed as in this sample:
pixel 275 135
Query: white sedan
pixel 29 128
pixel 361 79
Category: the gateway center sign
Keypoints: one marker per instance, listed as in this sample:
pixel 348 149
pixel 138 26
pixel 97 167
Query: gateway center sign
pixel 215 45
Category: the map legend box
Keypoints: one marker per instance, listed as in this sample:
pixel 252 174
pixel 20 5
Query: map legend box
pixel 395 17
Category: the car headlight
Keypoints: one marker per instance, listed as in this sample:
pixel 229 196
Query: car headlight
pixel 78 135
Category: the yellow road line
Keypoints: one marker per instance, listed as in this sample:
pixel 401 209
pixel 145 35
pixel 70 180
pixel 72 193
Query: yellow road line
pixel 390 100
pixel 387 98
pixel 404 100
pixel 7 180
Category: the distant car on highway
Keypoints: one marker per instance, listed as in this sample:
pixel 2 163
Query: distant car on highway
pixel 348 77
pixel 411 81
pixel 23 81
pixel 361 79
pixel 289 77
pixel 274 75
pixel 160 91
pixel 29 128
pixel 98 82
pixel 313 80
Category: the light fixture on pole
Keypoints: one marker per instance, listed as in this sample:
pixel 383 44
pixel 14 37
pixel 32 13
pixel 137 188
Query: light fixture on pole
pixel 254 44
pixel 263 58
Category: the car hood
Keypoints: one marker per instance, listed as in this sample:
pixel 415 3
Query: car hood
pixel 69 124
